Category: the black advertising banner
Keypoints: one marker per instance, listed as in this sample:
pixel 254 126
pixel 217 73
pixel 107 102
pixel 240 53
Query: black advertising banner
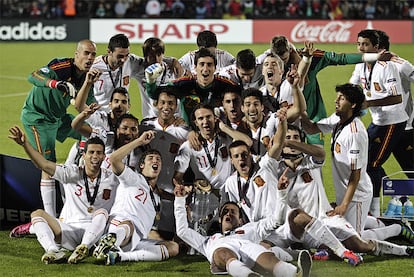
pixel 44 30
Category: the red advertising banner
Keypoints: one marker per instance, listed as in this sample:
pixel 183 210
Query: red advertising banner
pixel 328 31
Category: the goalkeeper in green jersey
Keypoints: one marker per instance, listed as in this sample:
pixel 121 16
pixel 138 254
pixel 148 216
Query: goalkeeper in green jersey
pixel 44 114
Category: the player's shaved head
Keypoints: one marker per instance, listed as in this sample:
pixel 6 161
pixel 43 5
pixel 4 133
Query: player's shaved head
pixel 84 43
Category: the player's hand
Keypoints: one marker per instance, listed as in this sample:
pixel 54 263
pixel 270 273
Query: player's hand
pixel 387 56
pixel 194 140
pixel 147 137
pixel 178 69
pixel 66 88
pixel 292 75
pixel 338 210
pixel 308 50
pixel 283 181
pixel 152 72
pixel 93 75
pixel 180 190
pixel 17 135
pixel 91 109
pixel 178 121
pixel 282 114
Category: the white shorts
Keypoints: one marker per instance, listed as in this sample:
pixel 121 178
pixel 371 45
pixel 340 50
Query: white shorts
pixel 357 214
pixel 72 234
pixel 246 251
pixel 339 226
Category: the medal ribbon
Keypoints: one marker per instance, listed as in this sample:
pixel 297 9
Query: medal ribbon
pixel 91 198
pixel 118 75
pixel 156 205
pixel 212 162
pixel 337 131
pixel 243 191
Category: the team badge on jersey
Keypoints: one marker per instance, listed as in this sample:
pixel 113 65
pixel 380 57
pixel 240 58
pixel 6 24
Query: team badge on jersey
pixel 174 148
pixel 45 70
pixel 259 181
pixel 125 81
pixel 337 148
pixel 224 152
pixel 307 178
pixel 377 86
pixel 106 194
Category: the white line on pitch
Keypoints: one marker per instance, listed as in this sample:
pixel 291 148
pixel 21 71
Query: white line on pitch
pixel 13 77
pixel 13 94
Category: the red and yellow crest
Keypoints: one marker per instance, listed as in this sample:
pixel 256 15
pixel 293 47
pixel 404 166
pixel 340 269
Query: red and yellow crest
pixel 337 148
pixel 259 181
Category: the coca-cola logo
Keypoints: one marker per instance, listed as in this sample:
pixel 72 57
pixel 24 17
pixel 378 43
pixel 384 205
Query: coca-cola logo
pixel 333 31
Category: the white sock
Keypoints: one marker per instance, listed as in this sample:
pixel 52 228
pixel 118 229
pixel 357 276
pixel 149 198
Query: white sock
pixel 96 228
pixel 31 230
pixel 153 253
pixel 373 222
pixel 375 207
pixel 44 234
pixel 238 269
pixel 284 269
pixel 320 232
pixel 382 233
pixel 281 254
pixel 121 231
pixel 385 247
pixel 48 193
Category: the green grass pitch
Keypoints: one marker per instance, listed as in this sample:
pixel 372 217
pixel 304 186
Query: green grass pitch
pixel 21 257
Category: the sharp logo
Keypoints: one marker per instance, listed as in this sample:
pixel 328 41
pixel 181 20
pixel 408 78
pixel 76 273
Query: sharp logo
pixel 25 31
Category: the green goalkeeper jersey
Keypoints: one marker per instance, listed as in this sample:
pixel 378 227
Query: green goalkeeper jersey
pixel 48 105
pixel 313 97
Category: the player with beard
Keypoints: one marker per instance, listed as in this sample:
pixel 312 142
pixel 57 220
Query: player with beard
pixel 234 249
pixel 244 72
pixel 88 200
pixel 300 168
pixel 118 66
pixel 231 109
pixel 44 114
pixel 252 184
pixel 211 163
pixel 383 91
pixel 100 123
pixel 136 205
pixel 349 147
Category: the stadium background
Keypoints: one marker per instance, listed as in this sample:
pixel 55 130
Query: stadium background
pixel 28 43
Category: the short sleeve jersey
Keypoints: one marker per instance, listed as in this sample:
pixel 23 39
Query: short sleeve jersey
pixel 382 81
pixel 75 209
pixel 200 163
pixel 350 152
pixel 167 141
pixel 133 201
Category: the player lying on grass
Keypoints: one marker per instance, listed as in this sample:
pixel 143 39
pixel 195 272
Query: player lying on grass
pixel 234 250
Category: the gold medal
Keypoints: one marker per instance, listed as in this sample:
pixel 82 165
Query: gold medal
pixel 90 209
pixel 214 171
pixel 157 216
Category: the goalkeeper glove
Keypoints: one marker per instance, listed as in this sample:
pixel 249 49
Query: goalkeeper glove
pixel 64 87
pixel 152 72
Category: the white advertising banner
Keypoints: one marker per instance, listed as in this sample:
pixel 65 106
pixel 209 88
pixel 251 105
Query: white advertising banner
pixel 171 30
